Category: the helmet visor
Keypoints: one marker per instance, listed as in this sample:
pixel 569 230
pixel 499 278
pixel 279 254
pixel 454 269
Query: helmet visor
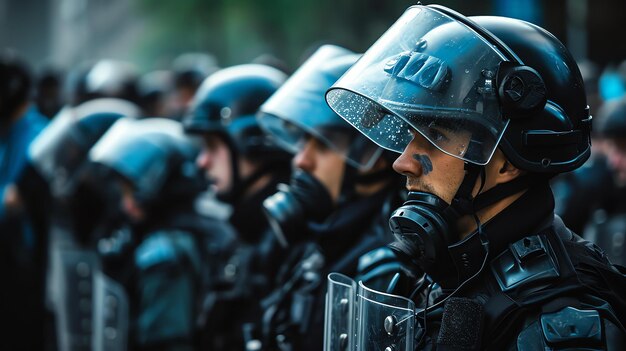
pixel 428 73
pixel 356 150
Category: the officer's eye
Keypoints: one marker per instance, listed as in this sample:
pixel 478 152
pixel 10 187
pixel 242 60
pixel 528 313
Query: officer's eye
pixel 436 135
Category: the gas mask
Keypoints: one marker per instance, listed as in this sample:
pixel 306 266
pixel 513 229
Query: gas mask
pixel 424 227
pixel 304 199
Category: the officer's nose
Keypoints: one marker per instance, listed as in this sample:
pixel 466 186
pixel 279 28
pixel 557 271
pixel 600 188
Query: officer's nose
pixel 409 164
pixel 305 158
pixel 205 160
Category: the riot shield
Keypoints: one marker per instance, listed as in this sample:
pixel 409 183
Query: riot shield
pixel 110 315
pixel 74 299
pixel 365 319
pixel 91 309
pixel 340 314
pixel 385 321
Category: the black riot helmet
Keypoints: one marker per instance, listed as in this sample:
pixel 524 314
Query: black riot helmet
pixel 225 106
pixel 155 157
pixel 468 86
pixel 503 82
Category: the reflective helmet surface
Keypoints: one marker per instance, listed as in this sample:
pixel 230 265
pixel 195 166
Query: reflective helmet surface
pixel 61 149
pixel 557 138
pixel 113 79
pixel 298 108
pixel 153 155
pixel 227 101
pixel 470 85
pixel 612 117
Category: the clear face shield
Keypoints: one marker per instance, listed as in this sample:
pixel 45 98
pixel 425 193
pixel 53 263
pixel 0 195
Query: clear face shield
pixel 365 319
pixel 428 73
pixel 55 154
pixel 298 110
pixel 356 150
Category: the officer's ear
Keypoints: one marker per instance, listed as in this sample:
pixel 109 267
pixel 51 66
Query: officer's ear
pixel 507 172
pixel 500 170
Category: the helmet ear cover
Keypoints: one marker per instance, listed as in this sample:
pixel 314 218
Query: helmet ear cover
pixel 521 90
pixel 541 136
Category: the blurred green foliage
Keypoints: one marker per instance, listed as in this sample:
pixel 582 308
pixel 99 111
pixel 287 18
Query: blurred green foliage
pixel 237 31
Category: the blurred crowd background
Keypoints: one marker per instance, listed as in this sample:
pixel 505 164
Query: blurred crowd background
pixel 64 33
pixel 155 54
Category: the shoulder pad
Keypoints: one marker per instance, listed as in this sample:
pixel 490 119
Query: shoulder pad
pixel 571 324
pixel 156 249
pixel 376 263
pixel 526 261
pixel 569 328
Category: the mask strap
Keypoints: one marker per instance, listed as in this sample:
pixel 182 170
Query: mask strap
pixel 462 203
pixel 502 191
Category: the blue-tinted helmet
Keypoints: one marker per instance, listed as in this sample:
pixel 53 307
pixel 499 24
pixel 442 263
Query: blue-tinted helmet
pixel 154 156
pixel 113 79
pixel 61 150
pixel 298 109
pixel 226 104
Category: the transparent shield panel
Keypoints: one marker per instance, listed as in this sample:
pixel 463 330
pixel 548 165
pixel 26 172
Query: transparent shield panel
pixel 49 145
pixel 339 331
pixel 385 321
pixel 111 313
pixel 291 135
pixel 431 74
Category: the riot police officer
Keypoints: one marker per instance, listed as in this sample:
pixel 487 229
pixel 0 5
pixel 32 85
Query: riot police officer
pixel 23 241
pixel 606 224
pixel 59 158
pixel 484 110
pixel 245 168
pixel 334 209
pixel 173 249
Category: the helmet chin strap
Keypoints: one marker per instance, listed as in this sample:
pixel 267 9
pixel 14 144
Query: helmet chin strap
pixel 464 204
pixel 463 201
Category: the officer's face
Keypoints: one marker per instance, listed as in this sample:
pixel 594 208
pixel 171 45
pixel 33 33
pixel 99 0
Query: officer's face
pixel 616 155
pixel 427 169
pixel 130 206
pixel 215 159
pixel 323 163
pixel 430 170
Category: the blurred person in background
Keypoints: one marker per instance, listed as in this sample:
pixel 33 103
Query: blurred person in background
pixel 104 86
pixel 605 215
pixel 334 210
pixel 173 251
pixel 76 208
pixel 155 89
pixel 574 191
pixel 21 245
pixel 190 70
pixel 245 167
pixel 49 92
